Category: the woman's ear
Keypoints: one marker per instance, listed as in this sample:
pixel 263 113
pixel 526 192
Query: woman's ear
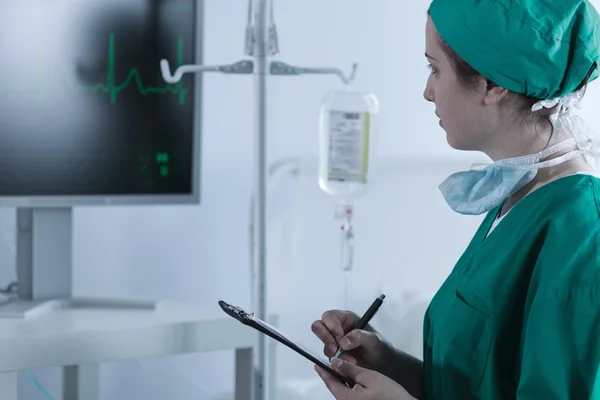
pixel 493 93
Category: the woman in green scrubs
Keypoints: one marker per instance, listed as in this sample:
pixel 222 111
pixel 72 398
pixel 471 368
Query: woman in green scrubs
pixel 519 315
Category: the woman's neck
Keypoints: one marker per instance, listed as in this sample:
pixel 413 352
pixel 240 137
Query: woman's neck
pixel 544 177
pixel 523 139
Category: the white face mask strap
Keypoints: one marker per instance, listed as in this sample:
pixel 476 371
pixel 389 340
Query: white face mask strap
pixel 558 160
pixel 556 148
pixel 533 159
pixel 562 159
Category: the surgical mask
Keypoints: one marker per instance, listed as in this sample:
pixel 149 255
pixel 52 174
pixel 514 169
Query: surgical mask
pixel 486 186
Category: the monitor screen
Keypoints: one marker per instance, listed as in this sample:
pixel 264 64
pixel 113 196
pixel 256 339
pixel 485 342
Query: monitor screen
pixel 84 110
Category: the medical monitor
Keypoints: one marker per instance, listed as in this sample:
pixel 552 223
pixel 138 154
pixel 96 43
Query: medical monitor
pixel 85 115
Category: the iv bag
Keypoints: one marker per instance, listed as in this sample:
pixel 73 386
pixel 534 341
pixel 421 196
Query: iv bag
pixel 347 138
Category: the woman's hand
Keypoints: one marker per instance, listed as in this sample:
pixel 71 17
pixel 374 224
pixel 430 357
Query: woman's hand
pixel 362 347
pixel 370 385
pixel 367 349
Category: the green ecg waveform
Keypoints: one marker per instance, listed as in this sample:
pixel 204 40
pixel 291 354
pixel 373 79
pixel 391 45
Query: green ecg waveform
pixel 112 88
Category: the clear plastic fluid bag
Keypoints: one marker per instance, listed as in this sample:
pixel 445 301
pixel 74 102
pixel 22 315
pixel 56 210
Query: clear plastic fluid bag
pixel 347 143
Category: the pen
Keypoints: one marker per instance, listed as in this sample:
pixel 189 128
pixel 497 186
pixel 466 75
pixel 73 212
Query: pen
pixel 365 319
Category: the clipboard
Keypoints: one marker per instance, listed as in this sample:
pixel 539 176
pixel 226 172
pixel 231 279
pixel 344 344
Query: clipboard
pixel 269 330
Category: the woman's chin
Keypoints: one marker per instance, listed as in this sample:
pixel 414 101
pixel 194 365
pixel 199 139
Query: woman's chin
pixel 458 143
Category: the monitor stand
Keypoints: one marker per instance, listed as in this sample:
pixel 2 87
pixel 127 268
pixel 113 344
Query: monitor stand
pixel 44 249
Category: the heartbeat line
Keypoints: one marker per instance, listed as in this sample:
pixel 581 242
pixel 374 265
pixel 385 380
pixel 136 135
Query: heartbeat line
pixel 112 88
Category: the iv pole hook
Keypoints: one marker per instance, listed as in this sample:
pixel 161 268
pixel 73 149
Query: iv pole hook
pixel 281 68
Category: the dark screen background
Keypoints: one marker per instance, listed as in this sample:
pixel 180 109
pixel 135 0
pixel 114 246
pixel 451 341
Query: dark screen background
pixel 83 107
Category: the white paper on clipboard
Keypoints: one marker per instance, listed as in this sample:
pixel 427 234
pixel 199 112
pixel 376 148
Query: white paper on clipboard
pixel 276 331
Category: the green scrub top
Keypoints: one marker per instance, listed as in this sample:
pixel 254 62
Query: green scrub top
pixel 519 315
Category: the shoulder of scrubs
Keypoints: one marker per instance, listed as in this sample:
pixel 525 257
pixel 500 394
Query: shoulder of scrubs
pixel 560 339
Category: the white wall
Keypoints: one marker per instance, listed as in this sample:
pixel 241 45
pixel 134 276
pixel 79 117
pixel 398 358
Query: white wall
pixel 192 253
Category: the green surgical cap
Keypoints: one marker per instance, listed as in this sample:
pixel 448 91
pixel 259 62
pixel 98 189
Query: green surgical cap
pixel 541 48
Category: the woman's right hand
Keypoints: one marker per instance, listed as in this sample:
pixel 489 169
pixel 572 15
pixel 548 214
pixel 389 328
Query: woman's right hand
pixel 365 348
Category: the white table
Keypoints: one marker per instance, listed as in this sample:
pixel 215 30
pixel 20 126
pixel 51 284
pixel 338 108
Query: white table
pixel 80 339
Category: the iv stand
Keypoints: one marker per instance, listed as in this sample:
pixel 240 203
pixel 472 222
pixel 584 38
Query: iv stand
pixel 260 43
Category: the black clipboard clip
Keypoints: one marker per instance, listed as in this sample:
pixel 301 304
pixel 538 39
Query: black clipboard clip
pixel 252 321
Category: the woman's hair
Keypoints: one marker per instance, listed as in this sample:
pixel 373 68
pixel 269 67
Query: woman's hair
pixel 470 79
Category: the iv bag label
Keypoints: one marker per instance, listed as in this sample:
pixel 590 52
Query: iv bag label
pixel 348 146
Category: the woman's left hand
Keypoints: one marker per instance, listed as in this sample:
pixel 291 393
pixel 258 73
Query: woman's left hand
pixel 370 385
